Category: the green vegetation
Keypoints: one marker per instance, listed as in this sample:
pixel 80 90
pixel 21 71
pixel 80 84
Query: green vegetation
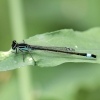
pixel 56 76
pixel 81 41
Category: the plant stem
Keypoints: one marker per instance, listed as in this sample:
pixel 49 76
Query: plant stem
pixel 18 30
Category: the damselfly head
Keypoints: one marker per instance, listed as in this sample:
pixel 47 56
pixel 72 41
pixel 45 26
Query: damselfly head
pixel 14 44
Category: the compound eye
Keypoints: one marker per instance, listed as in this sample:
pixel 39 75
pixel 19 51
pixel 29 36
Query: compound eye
pixel 14 41
pixel 14 44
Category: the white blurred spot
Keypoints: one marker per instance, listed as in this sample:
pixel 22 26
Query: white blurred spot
pixel 76 46
pixel 30 59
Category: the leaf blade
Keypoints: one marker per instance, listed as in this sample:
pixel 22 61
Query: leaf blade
pixel 87 41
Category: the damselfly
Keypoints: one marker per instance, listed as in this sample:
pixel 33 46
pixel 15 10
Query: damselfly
pixel 23 47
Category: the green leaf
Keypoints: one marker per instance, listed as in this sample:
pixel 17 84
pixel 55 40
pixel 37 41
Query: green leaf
pixel 84 42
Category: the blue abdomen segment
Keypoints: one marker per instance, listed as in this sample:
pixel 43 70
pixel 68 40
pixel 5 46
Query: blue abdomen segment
pixel 88 55
pixel 91 55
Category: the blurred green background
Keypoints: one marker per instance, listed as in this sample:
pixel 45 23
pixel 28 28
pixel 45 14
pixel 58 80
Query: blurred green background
pixel 20 19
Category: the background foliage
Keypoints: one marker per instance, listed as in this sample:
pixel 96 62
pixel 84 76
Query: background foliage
pixel 21 19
